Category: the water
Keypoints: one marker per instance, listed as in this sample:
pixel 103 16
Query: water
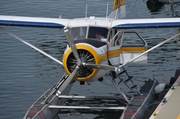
pixel 25 74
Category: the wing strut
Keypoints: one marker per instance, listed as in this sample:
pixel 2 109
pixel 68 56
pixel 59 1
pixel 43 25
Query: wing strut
pixel 32 46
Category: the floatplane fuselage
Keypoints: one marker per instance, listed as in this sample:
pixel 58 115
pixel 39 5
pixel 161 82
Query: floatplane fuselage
pixel 117 48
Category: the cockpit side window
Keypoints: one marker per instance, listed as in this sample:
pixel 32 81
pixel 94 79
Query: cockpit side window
pixel 78 32
pixel 132 39
pixel 97 30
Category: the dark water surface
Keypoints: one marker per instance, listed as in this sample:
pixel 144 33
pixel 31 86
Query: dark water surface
pixel 25 74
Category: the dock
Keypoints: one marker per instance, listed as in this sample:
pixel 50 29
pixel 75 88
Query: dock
pixel 169 108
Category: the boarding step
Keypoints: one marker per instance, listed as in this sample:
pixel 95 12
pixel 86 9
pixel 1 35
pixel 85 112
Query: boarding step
pixel 120 81
pixel 135 86
pixel 129 79
pixel 126 80
pixel 124 71
pixel 85 107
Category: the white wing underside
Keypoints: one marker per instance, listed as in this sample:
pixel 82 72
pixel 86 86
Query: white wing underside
pixel 99 22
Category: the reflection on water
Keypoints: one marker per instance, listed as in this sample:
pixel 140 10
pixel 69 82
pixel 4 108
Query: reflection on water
pixel 25 74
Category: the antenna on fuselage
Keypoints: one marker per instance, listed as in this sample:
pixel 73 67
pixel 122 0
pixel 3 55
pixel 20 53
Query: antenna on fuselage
pixel 86 12
pixel 107 10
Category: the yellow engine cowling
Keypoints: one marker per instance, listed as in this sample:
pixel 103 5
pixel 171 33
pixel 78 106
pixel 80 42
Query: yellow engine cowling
pixel 87 54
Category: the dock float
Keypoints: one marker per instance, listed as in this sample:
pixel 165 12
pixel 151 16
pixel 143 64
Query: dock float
pixel 169 108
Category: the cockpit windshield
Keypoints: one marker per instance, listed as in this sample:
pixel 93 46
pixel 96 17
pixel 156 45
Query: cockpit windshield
pixel 94 31
pixel 78 32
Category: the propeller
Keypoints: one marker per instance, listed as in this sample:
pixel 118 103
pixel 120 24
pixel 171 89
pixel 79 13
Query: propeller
pixel 74 50
pixel 67 81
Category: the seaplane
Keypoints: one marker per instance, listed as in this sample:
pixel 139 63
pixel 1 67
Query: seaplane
pixel 97 48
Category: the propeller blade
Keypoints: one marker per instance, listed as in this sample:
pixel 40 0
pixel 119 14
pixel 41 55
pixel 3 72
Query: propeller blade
pixel 67 81
pixel 32 46
pixel 71 43
pixel 102 66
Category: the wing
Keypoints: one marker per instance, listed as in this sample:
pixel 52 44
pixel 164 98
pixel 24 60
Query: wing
pixel 146 23
pixel 110 23
pixel 33 21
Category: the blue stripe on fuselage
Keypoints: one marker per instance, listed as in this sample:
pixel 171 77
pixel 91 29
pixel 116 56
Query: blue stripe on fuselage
pixel 30 24
pixel 147 25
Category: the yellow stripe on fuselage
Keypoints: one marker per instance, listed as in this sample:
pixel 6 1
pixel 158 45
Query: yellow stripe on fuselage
pixel 118 3
pixel 133 49
pixel 116 53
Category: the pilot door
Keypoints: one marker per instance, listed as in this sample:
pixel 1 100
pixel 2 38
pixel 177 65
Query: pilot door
pixel 125 45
